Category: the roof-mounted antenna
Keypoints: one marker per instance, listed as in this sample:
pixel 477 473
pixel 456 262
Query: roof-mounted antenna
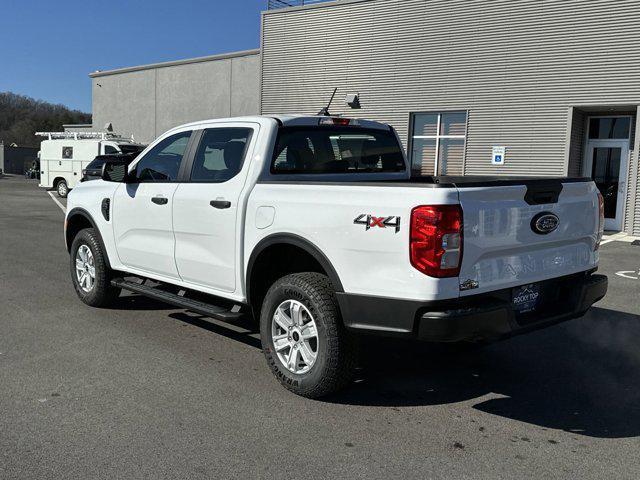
pixel 325 111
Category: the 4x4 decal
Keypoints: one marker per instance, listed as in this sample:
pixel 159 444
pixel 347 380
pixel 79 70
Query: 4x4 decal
pixel 370 221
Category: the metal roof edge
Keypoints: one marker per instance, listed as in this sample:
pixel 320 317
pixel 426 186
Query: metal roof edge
pixel 151 66
pixel 311 6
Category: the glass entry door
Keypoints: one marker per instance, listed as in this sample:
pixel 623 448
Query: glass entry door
pixel 608 169
pixel 606 162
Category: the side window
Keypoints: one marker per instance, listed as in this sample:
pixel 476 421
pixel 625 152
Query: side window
pixel 162 162
pixel 438 143
pixel 220 154
pixel 110 150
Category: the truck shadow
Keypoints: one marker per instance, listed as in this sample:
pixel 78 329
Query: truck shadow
pixel 239 334
pixel 582 376
pixel 133 301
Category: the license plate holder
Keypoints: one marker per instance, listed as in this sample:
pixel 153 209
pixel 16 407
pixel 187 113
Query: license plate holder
pixel 526 298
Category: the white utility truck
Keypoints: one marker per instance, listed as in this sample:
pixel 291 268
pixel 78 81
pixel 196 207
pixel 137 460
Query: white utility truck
pixel 63 155
pixel 314 227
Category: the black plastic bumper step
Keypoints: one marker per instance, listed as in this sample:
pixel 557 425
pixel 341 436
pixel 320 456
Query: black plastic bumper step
pixel 206 309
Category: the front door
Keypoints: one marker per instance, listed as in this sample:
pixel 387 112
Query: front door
pixel 606 162
pixel 142 209
pixel 206 208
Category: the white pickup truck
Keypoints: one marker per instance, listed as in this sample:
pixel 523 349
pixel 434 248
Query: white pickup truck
pixel 314 227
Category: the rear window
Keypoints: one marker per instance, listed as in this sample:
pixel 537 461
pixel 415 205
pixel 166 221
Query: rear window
pixel 323 150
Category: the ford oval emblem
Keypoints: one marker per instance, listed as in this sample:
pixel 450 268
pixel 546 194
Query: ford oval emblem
pixel 544 222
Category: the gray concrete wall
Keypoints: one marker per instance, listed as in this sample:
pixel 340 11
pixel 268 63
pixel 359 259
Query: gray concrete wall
pixel 146 101
pixel 519 68
pixel 78 127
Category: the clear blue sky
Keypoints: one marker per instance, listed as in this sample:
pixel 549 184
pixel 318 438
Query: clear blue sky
pixel 48 47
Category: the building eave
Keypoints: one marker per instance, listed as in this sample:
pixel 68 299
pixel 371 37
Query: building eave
pixel 150 66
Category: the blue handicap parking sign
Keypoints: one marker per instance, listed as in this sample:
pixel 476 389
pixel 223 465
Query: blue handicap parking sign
pixel 497 155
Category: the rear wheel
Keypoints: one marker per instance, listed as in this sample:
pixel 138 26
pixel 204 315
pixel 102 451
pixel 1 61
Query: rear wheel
pixel 303 338
pixel 89 272
pixel 62 189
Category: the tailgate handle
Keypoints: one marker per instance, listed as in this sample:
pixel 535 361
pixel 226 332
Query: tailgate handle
pixel 539 194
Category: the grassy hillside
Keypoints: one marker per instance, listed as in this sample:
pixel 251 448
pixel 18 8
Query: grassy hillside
pixel 21 117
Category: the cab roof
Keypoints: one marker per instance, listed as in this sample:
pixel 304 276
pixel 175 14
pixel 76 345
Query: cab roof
pixel 290 120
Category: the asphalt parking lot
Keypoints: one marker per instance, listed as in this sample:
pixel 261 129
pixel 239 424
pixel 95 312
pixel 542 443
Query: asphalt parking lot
pixel 145 390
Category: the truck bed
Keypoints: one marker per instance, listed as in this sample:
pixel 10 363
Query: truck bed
pixel 493 180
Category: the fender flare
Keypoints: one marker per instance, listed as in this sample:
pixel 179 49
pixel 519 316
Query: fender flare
pixel 77 211
pixel 297 241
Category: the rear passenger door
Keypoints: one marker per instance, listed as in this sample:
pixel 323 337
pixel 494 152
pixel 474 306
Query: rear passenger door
pixel 206 207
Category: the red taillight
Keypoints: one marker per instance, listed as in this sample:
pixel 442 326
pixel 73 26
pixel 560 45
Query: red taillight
pixel 339 121
pixel 600 220
pixel 436 240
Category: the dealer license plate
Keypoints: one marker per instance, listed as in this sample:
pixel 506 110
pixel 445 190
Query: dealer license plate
pixel 526 298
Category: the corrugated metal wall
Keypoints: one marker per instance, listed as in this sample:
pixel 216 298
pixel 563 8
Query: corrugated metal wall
pixel 632 207
pixel 517 66
pixel 576 142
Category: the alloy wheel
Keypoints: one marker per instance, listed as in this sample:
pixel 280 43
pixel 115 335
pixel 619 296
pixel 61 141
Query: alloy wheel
pixel 85 268
pixel 295 336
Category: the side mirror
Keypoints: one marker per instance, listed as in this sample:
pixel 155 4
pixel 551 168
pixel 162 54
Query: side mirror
pixel 115 171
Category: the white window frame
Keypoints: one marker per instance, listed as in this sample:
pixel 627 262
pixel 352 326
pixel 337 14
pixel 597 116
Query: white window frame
pixel 437 136
pixel 617 223
pixel 586 172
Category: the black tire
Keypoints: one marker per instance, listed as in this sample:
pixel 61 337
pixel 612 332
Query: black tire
pixel 335 361
pixel 62 188
pixel 102 294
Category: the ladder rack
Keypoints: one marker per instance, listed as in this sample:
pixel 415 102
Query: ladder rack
pixel 82 135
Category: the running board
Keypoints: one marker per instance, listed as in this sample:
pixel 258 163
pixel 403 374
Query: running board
pixel 206 309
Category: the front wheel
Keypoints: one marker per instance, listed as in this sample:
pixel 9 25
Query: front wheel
pixel 303 338
pixel 89 272
pixel 62 188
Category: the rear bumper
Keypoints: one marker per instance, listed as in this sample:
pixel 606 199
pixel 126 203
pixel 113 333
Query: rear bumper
pixel 475 318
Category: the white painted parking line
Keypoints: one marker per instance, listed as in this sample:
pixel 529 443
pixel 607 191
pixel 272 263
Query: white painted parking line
pixel 618 237
pixel 62 207
pixel 630 274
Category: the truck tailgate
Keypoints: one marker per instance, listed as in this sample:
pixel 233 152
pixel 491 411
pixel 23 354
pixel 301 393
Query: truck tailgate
pixel 502 246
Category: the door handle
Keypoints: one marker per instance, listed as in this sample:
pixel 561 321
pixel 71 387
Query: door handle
pixel 160 200
pixel 221 204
